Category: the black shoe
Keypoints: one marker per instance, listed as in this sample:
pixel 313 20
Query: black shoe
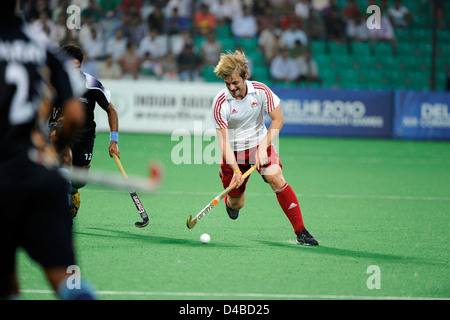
pixel 305 238
pixel 233 214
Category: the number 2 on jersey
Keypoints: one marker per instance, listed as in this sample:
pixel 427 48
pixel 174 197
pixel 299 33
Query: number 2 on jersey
pixel 22 110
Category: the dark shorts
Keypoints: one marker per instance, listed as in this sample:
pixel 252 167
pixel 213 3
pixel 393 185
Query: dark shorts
pixel 34 216
pixel 245 159
pixel 82 152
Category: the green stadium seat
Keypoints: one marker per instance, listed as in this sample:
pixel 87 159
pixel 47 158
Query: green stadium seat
pixel 383 49
pixel 335 48
pixel 443 36
pixel 318 47
pixel 417 80
pixel 361 48
pixel 228 44
pixel 208 74
pixel 403 35
pixel 223 31
pixel 249 45
pixel 422 35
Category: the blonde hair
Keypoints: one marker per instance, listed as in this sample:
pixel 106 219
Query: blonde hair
pixel 230 62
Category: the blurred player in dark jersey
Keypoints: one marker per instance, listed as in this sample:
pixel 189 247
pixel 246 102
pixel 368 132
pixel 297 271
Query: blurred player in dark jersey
pixel 80 152
pixel 37 218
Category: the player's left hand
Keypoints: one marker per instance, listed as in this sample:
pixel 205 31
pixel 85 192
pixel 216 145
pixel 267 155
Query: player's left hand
pixel 114 149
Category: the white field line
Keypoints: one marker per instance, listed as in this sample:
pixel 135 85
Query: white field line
pixel 213 295
pixel 330 196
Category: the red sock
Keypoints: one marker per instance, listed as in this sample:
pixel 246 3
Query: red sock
pixel 289 203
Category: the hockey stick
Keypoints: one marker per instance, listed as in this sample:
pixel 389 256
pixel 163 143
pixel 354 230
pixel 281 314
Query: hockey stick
pixel 147 185
pixel 135 197
pixel 192 222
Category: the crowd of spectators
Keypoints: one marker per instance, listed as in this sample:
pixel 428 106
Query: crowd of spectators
pixel 156 38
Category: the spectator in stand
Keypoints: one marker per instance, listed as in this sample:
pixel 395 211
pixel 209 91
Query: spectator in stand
pixel 313 25
pixel 287 21
pixel 189 64
pixel 245 25
pixel 176 23
pixel 151 67
pixel 32 9
pixel 335 26
pixel 109 8
pixel 154 43
pixel 169 67
pixel 91 11
pixel 292 34
pixel 225 10
pixel 204 21
pixel 123 23
pixel 184 8
pixel 308 70
pixel 210 50
pixel 87 26
pixel 59 9
pixel 109 69
pixel 269 42
pixel 400 16
pixel 94 47
pixel 260 7
pixel 266 19
pixel 117 45
pixel 177 42
pixel 130 61
pixel 357 29
pixel 303 8
pixel 298 50
pixel 282 9
pixel 156 20
pixel 385 33
pixel 139 29
pixel 43 26
pixel 350 11
pixel 59 31
pixel 283 68
pixel 132 7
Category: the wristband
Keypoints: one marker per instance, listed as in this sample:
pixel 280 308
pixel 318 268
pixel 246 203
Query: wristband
pixel 114 136
pixel 237 171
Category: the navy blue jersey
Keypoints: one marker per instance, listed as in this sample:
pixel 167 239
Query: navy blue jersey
pixel 25 67
pixel 95 94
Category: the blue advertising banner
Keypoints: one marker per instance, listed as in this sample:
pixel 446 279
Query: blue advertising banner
pixel 422 115
pixel 344 113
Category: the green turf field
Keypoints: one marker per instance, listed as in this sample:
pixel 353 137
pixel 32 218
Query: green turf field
pixel 381 203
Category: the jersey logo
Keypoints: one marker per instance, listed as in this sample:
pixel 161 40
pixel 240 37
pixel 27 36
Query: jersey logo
pixel 234 111
pixel 255 104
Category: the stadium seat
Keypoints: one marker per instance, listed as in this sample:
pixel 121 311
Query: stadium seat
pixel 361 48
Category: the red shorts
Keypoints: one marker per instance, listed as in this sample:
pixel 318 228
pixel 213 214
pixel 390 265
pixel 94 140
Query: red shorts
pixel 245 159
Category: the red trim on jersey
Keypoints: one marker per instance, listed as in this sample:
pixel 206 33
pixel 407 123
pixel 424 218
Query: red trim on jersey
pixel 217 108
pixel 269 96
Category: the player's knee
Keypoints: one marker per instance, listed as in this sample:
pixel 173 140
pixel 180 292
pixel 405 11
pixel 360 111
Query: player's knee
pixel 236 203
pixel 276 181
